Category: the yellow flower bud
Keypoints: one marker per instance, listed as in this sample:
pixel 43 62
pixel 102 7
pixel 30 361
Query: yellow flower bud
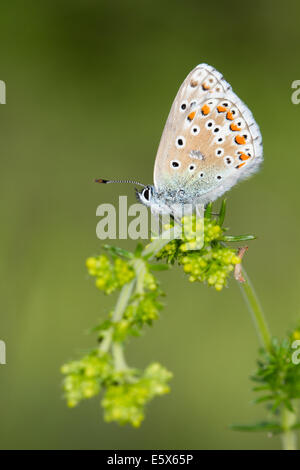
pixel 90 263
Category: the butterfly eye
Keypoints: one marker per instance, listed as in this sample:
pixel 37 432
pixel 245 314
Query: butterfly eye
pixel 216 130
pixel 147 194
pixel 218 177
pixel 220 140
pixel 228 160
pixel 183 106
pixel 201 175
pixel 209 124
pixel 195 130
pixel 175 164
pixel 192 168
pixel 180 142
pixel 219 152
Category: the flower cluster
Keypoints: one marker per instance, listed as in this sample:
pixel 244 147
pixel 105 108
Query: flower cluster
pixel 193 226
pixel 211 261
pixel 109 275
pixel 210 265
pixel 126 392
pixel 142 309
pixel 85 377
pixel 125 403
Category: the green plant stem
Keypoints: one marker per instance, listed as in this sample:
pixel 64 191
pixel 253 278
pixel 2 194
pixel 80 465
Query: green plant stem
pixel 289 436
pixel 158 243
pixel 288 418
pixel 140 270
pixel 122 303
pixel 154 247
pixel 256 311
pixel 118 355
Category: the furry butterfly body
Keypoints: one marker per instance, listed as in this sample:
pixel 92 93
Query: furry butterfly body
pixel 209 143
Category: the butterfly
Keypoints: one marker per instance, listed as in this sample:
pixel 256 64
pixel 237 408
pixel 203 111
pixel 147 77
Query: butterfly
pixel 209 143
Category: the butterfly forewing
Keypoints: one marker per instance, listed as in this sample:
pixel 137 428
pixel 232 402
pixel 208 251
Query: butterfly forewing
pixel 210 140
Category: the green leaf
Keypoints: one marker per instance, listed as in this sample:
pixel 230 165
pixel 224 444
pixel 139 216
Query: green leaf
pixel 116 251
pixel 138 250
pixel 158 267
pixel 102 326
pixel 208 211
pixel 148 256
pixel 263 399
pixel 222 213
pixel 264 426
pixel 288 405
pixel 238 238
pixel 262 387
pixel 275 407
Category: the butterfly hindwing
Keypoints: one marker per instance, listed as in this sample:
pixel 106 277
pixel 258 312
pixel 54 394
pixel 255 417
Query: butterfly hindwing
pixel 210 140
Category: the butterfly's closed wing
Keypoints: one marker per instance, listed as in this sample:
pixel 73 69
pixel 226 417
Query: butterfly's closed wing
pixel 210 140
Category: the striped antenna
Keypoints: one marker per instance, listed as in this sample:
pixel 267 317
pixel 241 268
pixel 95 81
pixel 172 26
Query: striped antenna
pixel 119 181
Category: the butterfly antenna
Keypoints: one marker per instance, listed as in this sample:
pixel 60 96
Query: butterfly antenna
pixel 119 181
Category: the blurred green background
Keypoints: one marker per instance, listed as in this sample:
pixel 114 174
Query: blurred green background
pixel 89 87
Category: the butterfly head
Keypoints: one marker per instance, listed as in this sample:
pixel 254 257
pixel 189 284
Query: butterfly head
pixel 164 201
pixel 145 196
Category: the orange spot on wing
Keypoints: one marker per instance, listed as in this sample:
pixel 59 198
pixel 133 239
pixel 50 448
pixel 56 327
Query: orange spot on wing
pixel 240 165
pixel 229 116
pixel 205 109
pixel 234 127
pixel 205 87
pixel 243 156
pixel 221 109
pixel 191 115
pixel 240 140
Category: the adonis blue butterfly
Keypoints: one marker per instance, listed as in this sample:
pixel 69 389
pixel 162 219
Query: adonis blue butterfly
pixel 209 143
